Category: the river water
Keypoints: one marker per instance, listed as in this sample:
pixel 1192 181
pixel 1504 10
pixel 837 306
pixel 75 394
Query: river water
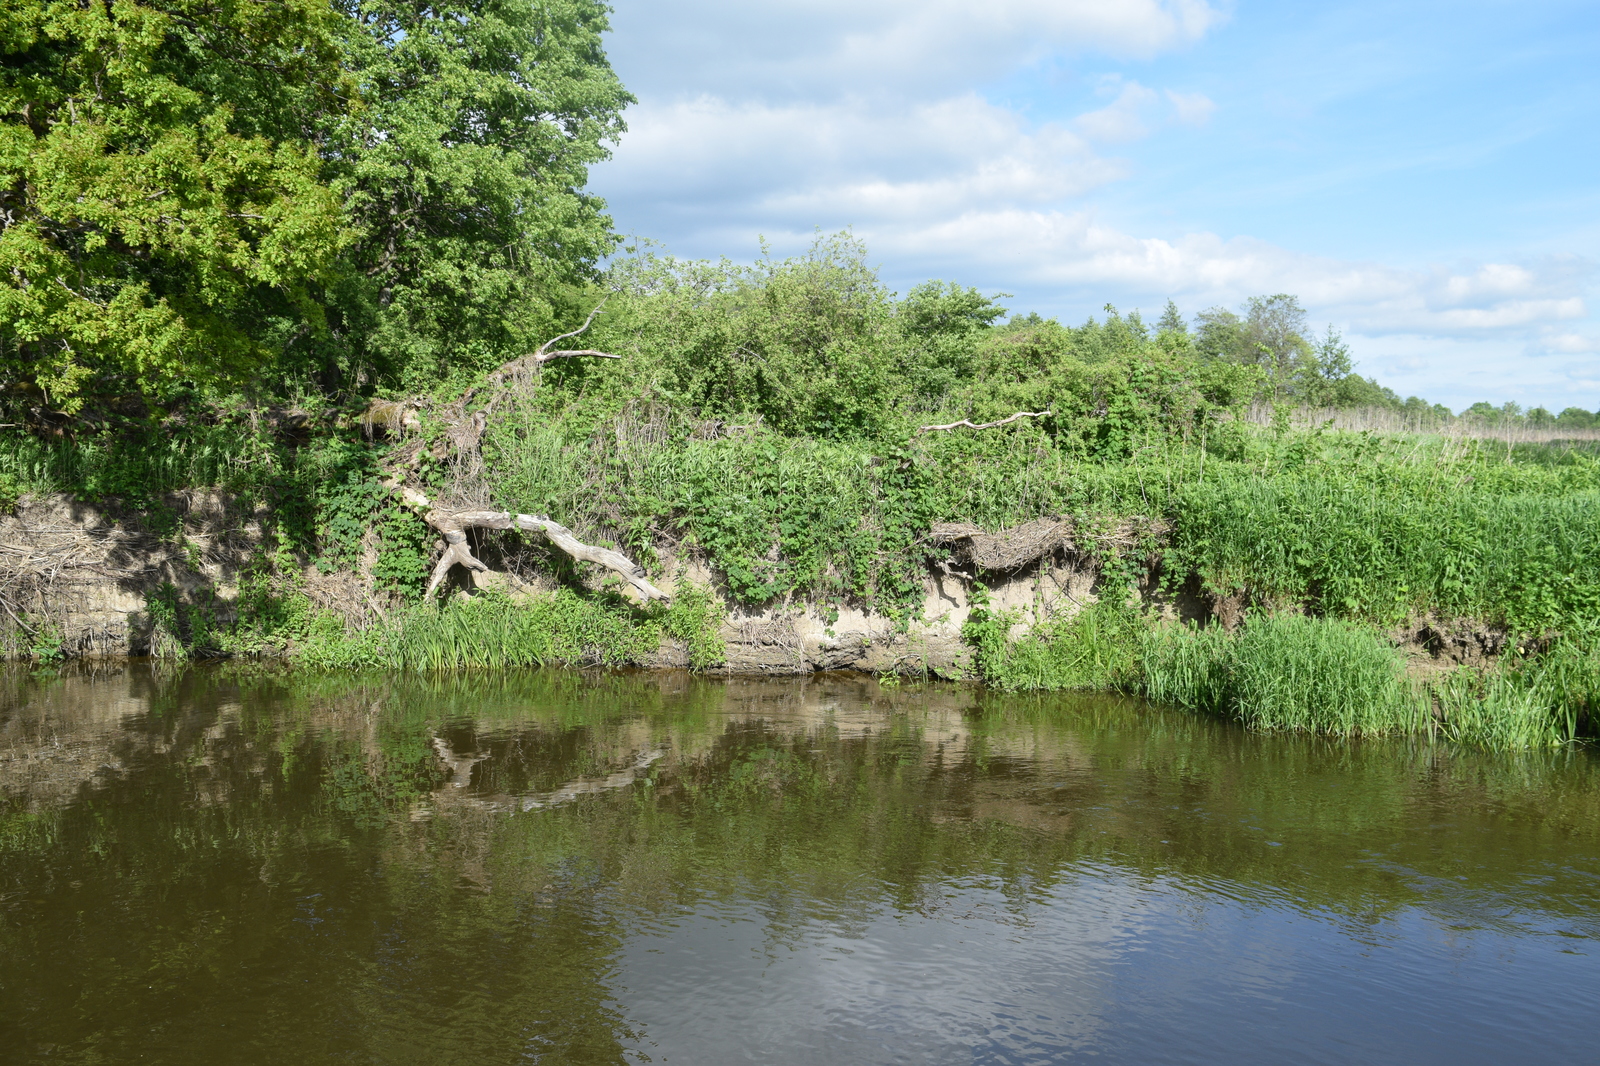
pixel 225 865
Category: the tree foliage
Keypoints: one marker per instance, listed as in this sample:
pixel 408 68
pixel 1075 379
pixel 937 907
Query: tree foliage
pixel 225 193
pixel 464 179
pixel 162 196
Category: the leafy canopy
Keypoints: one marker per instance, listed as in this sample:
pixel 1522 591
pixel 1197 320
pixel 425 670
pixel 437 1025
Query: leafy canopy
pixel 156 215
pixel 225 193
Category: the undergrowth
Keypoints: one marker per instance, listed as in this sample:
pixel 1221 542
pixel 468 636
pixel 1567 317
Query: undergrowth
pixel 1094 648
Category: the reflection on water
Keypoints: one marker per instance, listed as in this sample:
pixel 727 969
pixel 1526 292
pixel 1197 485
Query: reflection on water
pixel 224 865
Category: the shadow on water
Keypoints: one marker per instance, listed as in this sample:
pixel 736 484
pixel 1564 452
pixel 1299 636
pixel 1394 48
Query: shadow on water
pixel 243 864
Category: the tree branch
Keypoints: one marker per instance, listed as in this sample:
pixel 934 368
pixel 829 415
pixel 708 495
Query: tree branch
pixel 982 425
pixel 544 349
pixel 453 526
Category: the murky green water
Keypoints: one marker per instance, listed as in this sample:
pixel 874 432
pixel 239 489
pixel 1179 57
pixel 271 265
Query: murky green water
pixel 215 866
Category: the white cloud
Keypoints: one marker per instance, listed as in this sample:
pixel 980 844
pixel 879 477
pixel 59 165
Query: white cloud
pixel 1572 344
pixel 1071 249
pixel 1123 118
pixel 810 163
pixel 817 48
pixel 781 118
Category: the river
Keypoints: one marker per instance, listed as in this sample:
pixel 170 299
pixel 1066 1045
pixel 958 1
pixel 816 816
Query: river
pixel 223 864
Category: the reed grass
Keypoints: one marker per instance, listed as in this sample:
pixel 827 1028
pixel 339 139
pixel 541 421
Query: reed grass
pixel 1542 701
pixel 1294 673
pixel 1286 673
pixel 494 631
pixel 1187 667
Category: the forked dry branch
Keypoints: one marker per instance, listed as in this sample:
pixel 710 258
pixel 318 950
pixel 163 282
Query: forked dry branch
pixel 465 432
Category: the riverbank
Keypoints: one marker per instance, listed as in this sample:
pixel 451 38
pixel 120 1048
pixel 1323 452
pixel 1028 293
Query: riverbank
pixel 1053 603
pixel 799 471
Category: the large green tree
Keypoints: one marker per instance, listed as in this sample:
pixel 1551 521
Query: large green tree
pixel 465 180
pixel 160 189
pixel 243 192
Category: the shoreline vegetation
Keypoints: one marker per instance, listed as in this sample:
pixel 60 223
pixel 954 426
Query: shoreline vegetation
pixel 766 426
pixel 291 261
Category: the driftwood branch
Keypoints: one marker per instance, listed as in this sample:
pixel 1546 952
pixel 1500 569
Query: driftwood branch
pixel 464 433
pixel 453 526
pixel 982 425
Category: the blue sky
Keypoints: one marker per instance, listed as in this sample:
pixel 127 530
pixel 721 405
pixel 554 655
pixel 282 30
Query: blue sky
pixel 1424 176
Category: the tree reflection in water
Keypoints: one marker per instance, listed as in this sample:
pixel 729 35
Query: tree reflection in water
pixel 242 864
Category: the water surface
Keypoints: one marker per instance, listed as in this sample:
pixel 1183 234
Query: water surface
pixel 225 865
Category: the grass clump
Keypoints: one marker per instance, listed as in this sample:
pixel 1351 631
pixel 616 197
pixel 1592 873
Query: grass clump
pixel 1296 673
pixel 494 630
pixel 1544 701
pixel 1286 672
pixel 497 631
pixel 1094 648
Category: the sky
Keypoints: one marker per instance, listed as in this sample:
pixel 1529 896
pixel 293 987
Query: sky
pixel 1425 177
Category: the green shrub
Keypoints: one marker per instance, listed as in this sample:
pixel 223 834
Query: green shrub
pixel 696 618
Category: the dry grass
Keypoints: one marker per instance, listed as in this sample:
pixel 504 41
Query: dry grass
pixel 1389 420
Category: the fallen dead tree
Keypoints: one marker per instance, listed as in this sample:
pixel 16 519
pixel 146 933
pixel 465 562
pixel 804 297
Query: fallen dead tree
pixel 464 433
pixel 453 526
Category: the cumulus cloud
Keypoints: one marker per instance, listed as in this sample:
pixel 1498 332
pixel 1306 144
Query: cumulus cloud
pixel 806 162
pixel 1572 344
pixel 817 48
pixel 784 117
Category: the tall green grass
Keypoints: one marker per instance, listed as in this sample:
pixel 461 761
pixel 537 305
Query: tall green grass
pixel 495 631
pixel 1094 648
pixel 142 461
pixel 1290 672
pixel 1542 701
pixel 1286 673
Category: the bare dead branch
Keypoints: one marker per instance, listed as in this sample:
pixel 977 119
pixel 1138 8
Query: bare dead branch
pixel 547 356
pixel 544 349
pixel 452 525
pixel 982 425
